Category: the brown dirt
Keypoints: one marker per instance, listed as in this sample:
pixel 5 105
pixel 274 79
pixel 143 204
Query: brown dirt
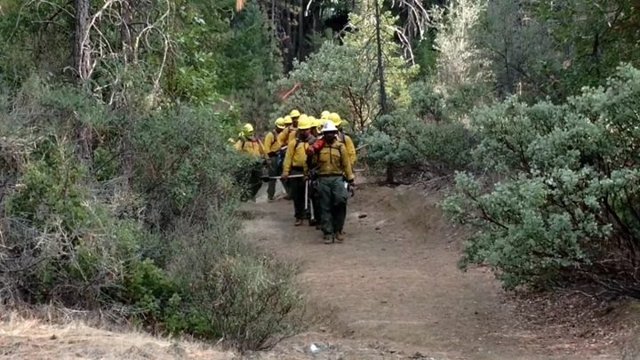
pixel 395 282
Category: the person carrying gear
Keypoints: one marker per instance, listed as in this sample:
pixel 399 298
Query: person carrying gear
pixel 344 138
pixel 314 220
pixel 333 166
pixel 295 163
pixel 250 145
pixel 283 139
pixel 272 149
pixel 295 117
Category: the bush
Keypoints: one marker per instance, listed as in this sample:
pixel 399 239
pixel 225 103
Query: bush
pixel 135 217
pixel 567 206
pixel 233 292
pixel 401 139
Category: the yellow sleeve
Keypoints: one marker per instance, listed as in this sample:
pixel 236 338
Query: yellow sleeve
pixel 238 145
pixel 288 158
pixel 305 165
pixel 346 163
pixel 268 142
pixel 284 136
pixel 351 149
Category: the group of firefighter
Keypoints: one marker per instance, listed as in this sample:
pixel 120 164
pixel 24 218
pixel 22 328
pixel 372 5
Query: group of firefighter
pixel 314 159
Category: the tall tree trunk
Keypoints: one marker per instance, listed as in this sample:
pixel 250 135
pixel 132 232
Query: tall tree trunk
pixel 81 45
pixel 300 30
pixel 383 91
pixel 125 30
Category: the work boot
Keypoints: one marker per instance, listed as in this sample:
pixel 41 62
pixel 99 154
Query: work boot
pixel 313 222
pixel 328 239
pixel 340 237
pixel 298 222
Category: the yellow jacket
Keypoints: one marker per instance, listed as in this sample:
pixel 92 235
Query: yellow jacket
pixel 296 156
pixel 287 135
pixel 351 148
pixel 271 143
pixel 334 160
pixel 251 147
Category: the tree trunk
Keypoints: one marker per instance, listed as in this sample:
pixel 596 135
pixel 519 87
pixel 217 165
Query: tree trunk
pixel 81 46
pixel 125 30
pixel 383 92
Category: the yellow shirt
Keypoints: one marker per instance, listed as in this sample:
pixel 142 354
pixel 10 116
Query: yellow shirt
pixel 350 147
pixel 283 137
pixel 251 147
pixel 271 143
pixel 296 156
pixel 334 160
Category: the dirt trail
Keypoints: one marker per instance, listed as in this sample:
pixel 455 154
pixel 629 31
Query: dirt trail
pixel 395 280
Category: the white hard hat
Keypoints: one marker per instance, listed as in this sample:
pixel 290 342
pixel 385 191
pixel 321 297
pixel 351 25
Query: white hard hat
pixel 329 126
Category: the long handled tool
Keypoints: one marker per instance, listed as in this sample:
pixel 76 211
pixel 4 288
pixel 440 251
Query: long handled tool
pixel 308 205
pixel 267 178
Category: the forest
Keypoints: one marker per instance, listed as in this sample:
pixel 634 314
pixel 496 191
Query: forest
pixel 118 188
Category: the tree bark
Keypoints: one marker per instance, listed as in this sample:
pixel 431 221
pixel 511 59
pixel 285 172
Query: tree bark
pixel 81 46
pixel 383 92
pixel 125 29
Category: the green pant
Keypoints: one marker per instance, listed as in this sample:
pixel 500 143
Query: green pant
pixel 252 180
pixel 275 169
pixel 333 204
pixel 297 187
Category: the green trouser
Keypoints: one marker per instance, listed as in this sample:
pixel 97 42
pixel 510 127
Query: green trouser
pixel 275 169
pixel 333 204
pixel 297 187
pixel 253 181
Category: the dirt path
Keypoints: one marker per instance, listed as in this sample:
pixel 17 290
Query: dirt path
pixel 395 280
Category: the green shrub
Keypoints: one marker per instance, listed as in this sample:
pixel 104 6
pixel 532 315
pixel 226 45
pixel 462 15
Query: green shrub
pixel 401 139
pixel 231 291
pixel 566 207
pixel 135 217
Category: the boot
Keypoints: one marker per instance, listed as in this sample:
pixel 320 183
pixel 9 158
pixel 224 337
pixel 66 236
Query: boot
pixel 313 222
pixel 340 237
pixel 328 239
pixel 298 222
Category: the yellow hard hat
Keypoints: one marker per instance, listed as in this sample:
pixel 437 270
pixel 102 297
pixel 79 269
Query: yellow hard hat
pixel 288 120
pixel 325 114
pixel 335 118
pixel 231 140
pixel 305 123
pixel 295 113
pixel 280 123
pixel 247 129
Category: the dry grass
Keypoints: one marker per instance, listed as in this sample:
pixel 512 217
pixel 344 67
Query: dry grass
pixel 22 338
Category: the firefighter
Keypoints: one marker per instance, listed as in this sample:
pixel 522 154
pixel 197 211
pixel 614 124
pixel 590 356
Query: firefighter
pixel 251 146
pixel 272 148
pixel 333 168
pixel 295 163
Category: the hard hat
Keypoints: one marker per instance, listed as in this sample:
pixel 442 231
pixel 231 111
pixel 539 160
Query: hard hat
pixel 231 140
pixel 247 129
pixel 320 124
pixel 288 120
pixel 305 123
pixel 329 127
pixel 294 113
pixel 280 123
pixel 335 118
pixel 325 114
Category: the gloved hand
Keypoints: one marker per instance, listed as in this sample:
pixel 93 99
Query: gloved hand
pixel 284 177
pixel 351 188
